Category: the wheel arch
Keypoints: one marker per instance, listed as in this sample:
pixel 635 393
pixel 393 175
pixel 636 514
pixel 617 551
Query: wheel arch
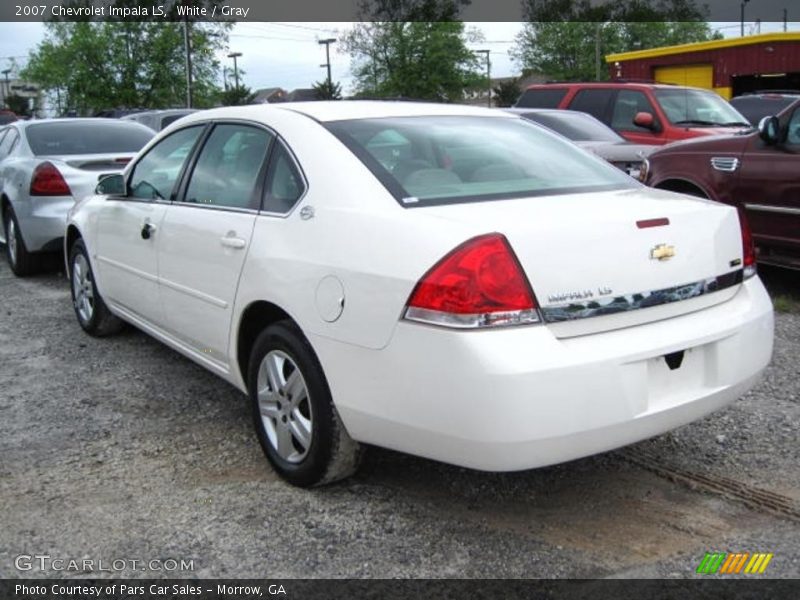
pixel 684 186
pixel 256 317
pixel 72 234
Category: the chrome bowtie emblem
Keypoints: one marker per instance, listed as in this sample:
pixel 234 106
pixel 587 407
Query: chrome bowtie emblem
pixel 662 252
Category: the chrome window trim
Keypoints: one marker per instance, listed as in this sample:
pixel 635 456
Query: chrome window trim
pixel 573 311
pixel 784 210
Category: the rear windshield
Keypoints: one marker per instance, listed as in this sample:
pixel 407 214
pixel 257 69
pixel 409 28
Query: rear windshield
pixel 541 98
pixel 427 161
pixel 89 137
pixel 579 127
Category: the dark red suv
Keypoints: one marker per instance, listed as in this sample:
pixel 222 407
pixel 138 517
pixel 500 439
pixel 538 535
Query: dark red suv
pixel 757 171
pixel 643 113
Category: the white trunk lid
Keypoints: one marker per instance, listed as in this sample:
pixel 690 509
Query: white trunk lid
pixel 585 256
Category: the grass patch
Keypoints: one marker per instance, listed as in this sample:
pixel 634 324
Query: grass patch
pixel 786 304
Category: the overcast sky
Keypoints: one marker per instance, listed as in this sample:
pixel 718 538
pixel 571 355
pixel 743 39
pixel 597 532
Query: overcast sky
pixel 288 55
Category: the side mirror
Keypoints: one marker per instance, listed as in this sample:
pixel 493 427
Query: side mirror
pixel 111 185
pixel 646 120
pixel 769 130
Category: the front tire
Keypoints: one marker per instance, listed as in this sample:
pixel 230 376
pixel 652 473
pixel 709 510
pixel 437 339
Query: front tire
pixel 92 312
pixel 295 420
pixel 21 261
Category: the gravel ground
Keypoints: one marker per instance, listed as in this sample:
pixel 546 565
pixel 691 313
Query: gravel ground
pixel 122 449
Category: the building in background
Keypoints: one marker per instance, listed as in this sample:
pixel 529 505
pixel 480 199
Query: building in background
pixel 731 67
pixel 29 92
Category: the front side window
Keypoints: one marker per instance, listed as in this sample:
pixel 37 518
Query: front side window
pixel 697 108
pixel 628 104
pixel 793 134
pixel 156 174
pixel 228 168
pixel 459 159
pixel 285 185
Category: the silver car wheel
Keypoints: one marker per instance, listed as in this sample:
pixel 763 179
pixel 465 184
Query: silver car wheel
pixel 82 288
pixel 11 240
pixel 285 406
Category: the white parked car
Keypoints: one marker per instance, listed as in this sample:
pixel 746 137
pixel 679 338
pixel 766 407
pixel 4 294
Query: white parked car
pixel 45 166
pixel 452 282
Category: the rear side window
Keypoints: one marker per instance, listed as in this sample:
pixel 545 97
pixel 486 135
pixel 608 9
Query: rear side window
pixel 541 98
pixel 594 102
pixel 285 184
pixel 86 137
pixel 228 170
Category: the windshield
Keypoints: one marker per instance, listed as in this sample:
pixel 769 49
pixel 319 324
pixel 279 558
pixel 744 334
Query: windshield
pixel 579 127
pixel 86 137
pixel 424 161
pixel 695 107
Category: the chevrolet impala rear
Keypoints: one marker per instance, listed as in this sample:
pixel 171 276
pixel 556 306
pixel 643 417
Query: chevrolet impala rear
pixel 556 308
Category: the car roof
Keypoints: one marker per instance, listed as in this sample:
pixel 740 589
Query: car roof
pixel 342 110
pixel 610 84
pixel 82 120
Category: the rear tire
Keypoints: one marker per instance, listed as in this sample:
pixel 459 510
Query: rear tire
pixel 297 425
pixel 92 312
pixel 21 261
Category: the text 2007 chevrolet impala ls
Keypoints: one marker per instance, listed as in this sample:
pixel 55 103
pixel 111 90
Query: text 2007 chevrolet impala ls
pixel 452 282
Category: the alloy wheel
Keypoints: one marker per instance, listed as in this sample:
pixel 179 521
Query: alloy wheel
pixel 11 240
pixel 82 288
pixel 284 405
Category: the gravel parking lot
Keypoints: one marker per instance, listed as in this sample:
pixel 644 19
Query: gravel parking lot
pixel 122 449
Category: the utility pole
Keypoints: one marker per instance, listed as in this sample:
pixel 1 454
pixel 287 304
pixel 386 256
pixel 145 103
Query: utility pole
pixel 187 45
pixel 785 20
pixel 742 16
pixel 234 56
pixel 327 42
pixel 7 88
pixel 488 75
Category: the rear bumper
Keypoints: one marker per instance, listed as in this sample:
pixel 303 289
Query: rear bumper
pixel 42 220
pixel 520 398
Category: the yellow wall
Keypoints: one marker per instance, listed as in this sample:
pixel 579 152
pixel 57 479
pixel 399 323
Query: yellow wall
pixel 701 76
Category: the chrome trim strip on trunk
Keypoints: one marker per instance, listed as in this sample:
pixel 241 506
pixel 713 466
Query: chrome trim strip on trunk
pixel 627 302
pixel 784 210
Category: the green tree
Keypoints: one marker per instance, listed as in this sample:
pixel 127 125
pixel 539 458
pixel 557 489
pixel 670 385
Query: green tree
pixel 563 38
pixel 506 92
pixel 328 90
pixel 87 66
pixel 419 60
pixel 237 96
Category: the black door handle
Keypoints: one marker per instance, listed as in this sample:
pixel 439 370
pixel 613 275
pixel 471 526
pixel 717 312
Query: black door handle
pixel 147 231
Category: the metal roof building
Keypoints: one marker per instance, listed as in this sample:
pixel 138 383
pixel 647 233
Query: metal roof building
pixel 730 67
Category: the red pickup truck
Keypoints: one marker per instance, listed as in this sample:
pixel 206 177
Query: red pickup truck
pixel 642 113
pixel 758 171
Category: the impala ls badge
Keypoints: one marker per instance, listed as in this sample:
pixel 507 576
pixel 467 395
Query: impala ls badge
pixel 662 252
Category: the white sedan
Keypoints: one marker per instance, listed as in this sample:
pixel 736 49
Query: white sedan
pixel 452 282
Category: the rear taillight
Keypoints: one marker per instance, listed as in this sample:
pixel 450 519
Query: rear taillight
pixel 748 246
pixel 479 284
pixel 48 181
